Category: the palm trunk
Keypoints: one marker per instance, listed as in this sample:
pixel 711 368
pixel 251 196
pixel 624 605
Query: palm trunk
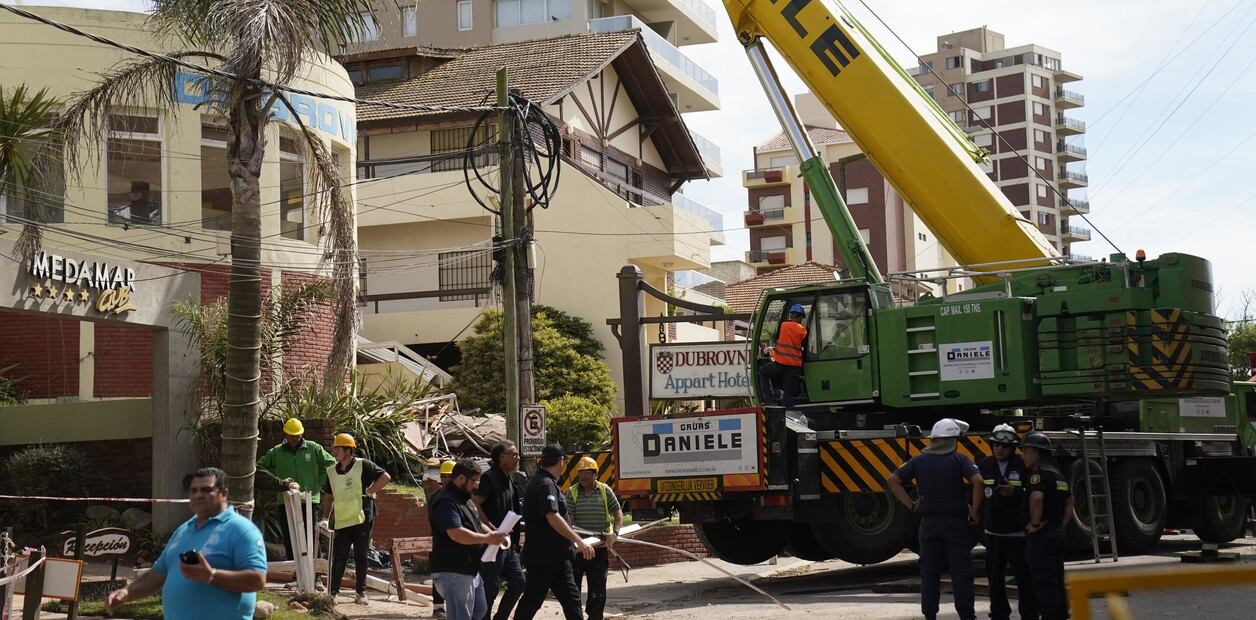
pixel 245 147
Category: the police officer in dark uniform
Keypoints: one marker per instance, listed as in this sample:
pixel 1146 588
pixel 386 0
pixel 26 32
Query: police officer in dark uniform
pixel 1004 476
pixel 946 515
pixel 547 550
pixel 1049 507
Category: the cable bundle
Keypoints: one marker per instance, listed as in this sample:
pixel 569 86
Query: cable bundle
pixel 537 143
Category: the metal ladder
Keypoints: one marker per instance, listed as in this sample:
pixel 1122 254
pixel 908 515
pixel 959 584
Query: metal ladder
pixel 1099 494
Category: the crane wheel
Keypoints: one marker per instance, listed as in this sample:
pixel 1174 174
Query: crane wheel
pixel 871 528
pixel 1222 519
pixel 1139 503
pixel 743 541
pixel 804 546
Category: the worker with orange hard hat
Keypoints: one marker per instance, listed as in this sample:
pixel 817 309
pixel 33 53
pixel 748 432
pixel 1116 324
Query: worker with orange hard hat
pixel 352 484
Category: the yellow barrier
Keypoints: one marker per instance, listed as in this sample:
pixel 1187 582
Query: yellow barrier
pixel 1113 584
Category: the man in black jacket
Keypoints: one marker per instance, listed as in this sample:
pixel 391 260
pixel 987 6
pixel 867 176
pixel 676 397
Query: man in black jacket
pixel 1004 477
pixel 500 492
pixel 458 539
pixel 548 551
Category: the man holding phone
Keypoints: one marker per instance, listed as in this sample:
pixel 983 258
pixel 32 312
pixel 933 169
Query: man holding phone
pixel 1004 478
pixel 213 564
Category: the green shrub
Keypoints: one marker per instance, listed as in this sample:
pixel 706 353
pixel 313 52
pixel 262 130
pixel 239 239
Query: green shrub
pixel 576 422
pixel 46 469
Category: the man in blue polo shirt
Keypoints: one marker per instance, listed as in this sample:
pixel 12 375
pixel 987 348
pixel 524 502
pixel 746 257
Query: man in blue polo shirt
pixel 230 559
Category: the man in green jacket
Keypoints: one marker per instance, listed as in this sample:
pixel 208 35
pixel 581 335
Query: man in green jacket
pixel 304 462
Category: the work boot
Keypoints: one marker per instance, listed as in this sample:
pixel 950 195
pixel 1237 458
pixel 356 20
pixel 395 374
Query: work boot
pixel 360 599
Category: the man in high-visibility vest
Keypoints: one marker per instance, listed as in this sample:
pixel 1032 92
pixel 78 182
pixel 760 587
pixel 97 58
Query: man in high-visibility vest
pixel 301 461
pixel 352 484
pixel 784 372
pixel 595 508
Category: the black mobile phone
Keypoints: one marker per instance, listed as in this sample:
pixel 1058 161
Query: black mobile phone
pixel 189 557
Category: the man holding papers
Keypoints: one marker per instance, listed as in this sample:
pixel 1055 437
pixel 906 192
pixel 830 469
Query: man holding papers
pixel 458 540
pixel 501 492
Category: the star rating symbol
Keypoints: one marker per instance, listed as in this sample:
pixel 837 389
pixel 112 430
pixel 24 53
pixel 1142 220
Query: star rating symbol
pixel 37 290
pixel 83 295
pixel 68 294
pixel 53 291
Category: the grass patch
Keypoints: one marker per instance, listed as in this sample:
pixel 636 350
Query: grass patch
pixel 413 491
pixel 150 608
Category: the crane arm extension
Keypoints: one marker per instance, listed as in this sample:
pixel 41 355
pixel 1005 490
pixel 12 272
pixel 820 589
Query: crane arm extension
pixel 928 160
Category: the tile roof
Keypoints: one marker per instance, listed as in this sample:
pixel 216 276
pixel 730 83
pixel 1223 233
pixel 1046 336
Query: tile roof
pixel 541 69
pixel 819 135
pixel 743 296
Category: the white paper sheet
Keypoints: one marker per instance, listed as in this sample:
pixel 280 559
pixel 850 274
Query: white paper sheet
pixel 508 524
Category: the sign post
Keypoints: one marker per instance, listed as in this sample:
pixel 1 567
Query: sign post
pixel 532 430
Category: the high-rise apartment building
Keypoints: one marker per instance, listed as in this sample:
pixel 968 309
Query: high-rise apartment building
pixel 787 229
pixel 665 26
pixel 1013 102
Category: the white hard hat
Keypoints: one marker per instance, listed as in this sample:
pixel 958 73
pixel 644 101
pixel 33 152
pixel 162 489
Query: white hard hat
pixel 948 427
pixel 1004 427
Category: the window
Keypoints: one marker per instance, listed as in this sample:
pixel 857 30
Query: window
pixel 367 31
pixel 866 235
pixel 960 117
pixel 780 161
pixel 385 73
pixel 838 327
pixel 1042 191
pixel 464 15
pixel 772 244
pixel 1040 109
pixel 595 9
pixel 454 141
pixel 215 184
pixel 617 170
pixel 955 90
pixel 984 140
pixel 524 12
pixel 410 21
pixel 983 86
pixel 133 168
pixel 984 113
pixel 856 195
pixel 1040 136
pixel 47 192
pixel 1040 163
pixel 471 269
pixel 929 90
pixel 291 188
pixel 591 157
pixel 1036 80
pixel 954 62
pixel 772 207
pixel 1044 219
pixel 355 75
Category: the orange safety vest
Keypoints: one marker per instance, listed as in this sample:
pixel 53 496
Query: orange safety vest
pixel 788 351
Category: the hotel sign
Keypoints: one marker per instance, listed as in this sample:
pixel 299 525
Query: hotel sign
pixel 104 286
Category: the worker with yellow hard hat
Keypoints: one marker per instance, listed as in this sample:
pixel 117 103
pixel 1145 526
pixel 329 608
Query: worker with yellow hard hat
pixel 352 484
pixel 594 508
pixel 300 461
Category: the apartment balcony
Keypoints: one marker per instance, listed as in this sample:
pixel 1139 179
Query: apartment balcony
pixel 712 217
pixel 696 22
pixel 1073 206
pixel 674 238
pixel 696 90
pixel 770 217
pixel 1066 126
pixel 711 155
pixel 1073 234
pixel 767 177
pixel 1071 180
pixel 1062 76
pixel 1080 258
pixel 1066 99
pixel 1070 152
pixel 775 258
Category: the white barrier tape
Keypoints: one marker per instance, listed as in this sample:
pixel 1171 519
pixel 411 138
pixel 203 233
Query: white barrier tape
pixel 29 569
pixel 130 500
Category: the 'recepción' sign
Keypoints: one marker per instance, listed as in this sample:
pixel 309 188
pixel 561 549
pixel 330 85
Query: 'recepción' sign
pixel 688 446
pixel 67 280
pixel 102 544
pixel 696 370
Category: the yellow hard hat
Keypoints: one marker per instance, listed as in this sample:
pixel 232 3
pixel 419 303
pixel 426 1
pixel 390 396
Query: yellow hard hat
pixel 344 440
pixel 586 464
pixel 293 427
pixel 447 468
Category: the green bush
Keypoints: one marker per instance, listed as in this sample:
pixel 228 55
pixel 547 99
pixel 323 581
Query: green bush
pixel 47 469
pixel 576 422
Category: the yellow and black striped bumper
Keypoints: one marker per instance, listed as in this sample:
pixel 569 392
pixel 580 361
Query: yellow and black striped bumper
pixel 863 465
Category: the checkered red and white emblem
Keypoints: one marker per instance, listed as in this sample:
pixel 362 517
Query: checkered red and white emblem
pixel 664 362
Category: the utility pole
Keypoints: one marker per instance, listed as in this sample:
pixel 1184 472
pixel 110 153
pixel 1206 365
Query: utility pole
pixel 523 286
pixel 510 320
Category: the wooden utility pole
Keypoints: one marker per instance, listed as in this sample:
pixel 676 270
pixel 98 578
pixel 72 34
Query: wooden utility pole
pixel 523 287
pixel 510 319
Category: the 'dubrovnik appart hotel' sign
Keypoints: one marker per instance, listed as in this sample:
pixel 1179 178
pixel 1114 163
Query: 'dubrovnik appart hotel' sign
pixel 106 286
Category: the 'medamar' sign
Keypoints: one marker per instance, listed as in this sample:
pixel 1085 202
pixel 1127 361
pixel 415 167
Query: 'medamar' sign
pixel 106 286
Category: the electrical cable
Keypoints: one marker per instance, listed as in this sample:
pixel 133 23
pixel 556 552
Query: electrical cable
pixel 537 144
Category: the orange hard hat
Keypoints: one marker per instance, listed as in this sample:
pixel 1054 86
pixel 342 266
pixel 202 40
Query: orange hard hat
pixel 344 440
pixel 586 464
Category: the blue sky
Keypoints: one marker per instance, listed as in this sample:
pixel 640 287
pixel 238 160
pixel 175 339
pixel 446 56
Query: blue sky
pixel 1171 133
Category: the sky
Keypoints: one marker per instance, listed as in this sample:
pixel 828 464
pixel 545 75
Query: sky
pixel 1171 133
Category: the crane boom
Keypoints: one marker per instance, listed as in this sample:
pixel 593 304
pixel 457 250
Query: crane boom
pixel 914 145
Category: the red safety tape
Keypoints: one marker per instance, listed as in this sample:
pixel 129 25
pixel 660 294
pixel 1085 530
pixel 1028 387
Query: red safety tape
pixel 131 500
pixel 29 570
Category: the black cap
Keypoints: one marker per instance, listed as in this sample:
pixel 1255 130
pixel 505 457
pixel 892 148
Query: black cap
pixel 551 455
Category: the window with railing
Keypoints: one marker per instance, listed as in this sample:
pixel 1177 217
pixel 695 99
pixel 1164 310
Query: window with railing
pixel 464 270
pixel 452 143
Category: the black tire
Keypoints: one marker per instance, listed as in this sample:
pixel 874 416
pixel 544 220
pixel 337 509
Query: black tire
pixel 871 528
pixel 804 546
pixel 1139 504
pixel 1222 519
pixel 743 541
pixel 1078 534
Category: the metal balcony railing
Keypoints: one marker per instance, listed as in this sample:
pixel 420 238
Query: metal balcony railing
pixel 1076 205
pixel 703 11
pixel 708 149
pixel 1079 178
pixel 772 215
pixel 1071 149
pixel 1064 93
pixel 657 44
pixel 1082 258
pixel 765 174
pixel 1065 122
pixel 688 205
pixel 1078 232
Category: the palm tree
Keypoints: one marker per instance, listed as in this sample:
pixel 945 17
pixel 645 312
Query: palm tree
pixel 27 143
pixel 253 40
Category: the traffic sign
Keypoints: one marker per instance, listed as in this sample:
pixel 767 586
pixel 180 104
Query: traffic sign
pixel 532 430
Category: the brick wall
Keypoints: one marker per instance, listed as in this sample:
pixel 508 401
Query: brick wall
pixel 679 536
pixel 310 353
pixel 124 361
pixel 118 468
pixel 46 353
pixel 400 516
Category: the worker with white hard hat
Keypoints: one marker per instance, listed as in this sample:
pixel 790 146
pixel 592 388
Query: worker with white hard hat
pixel 946 515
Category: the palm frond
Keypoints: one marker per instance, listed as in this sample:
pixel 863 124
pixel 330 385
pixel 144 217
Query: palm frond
pixel 30 149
